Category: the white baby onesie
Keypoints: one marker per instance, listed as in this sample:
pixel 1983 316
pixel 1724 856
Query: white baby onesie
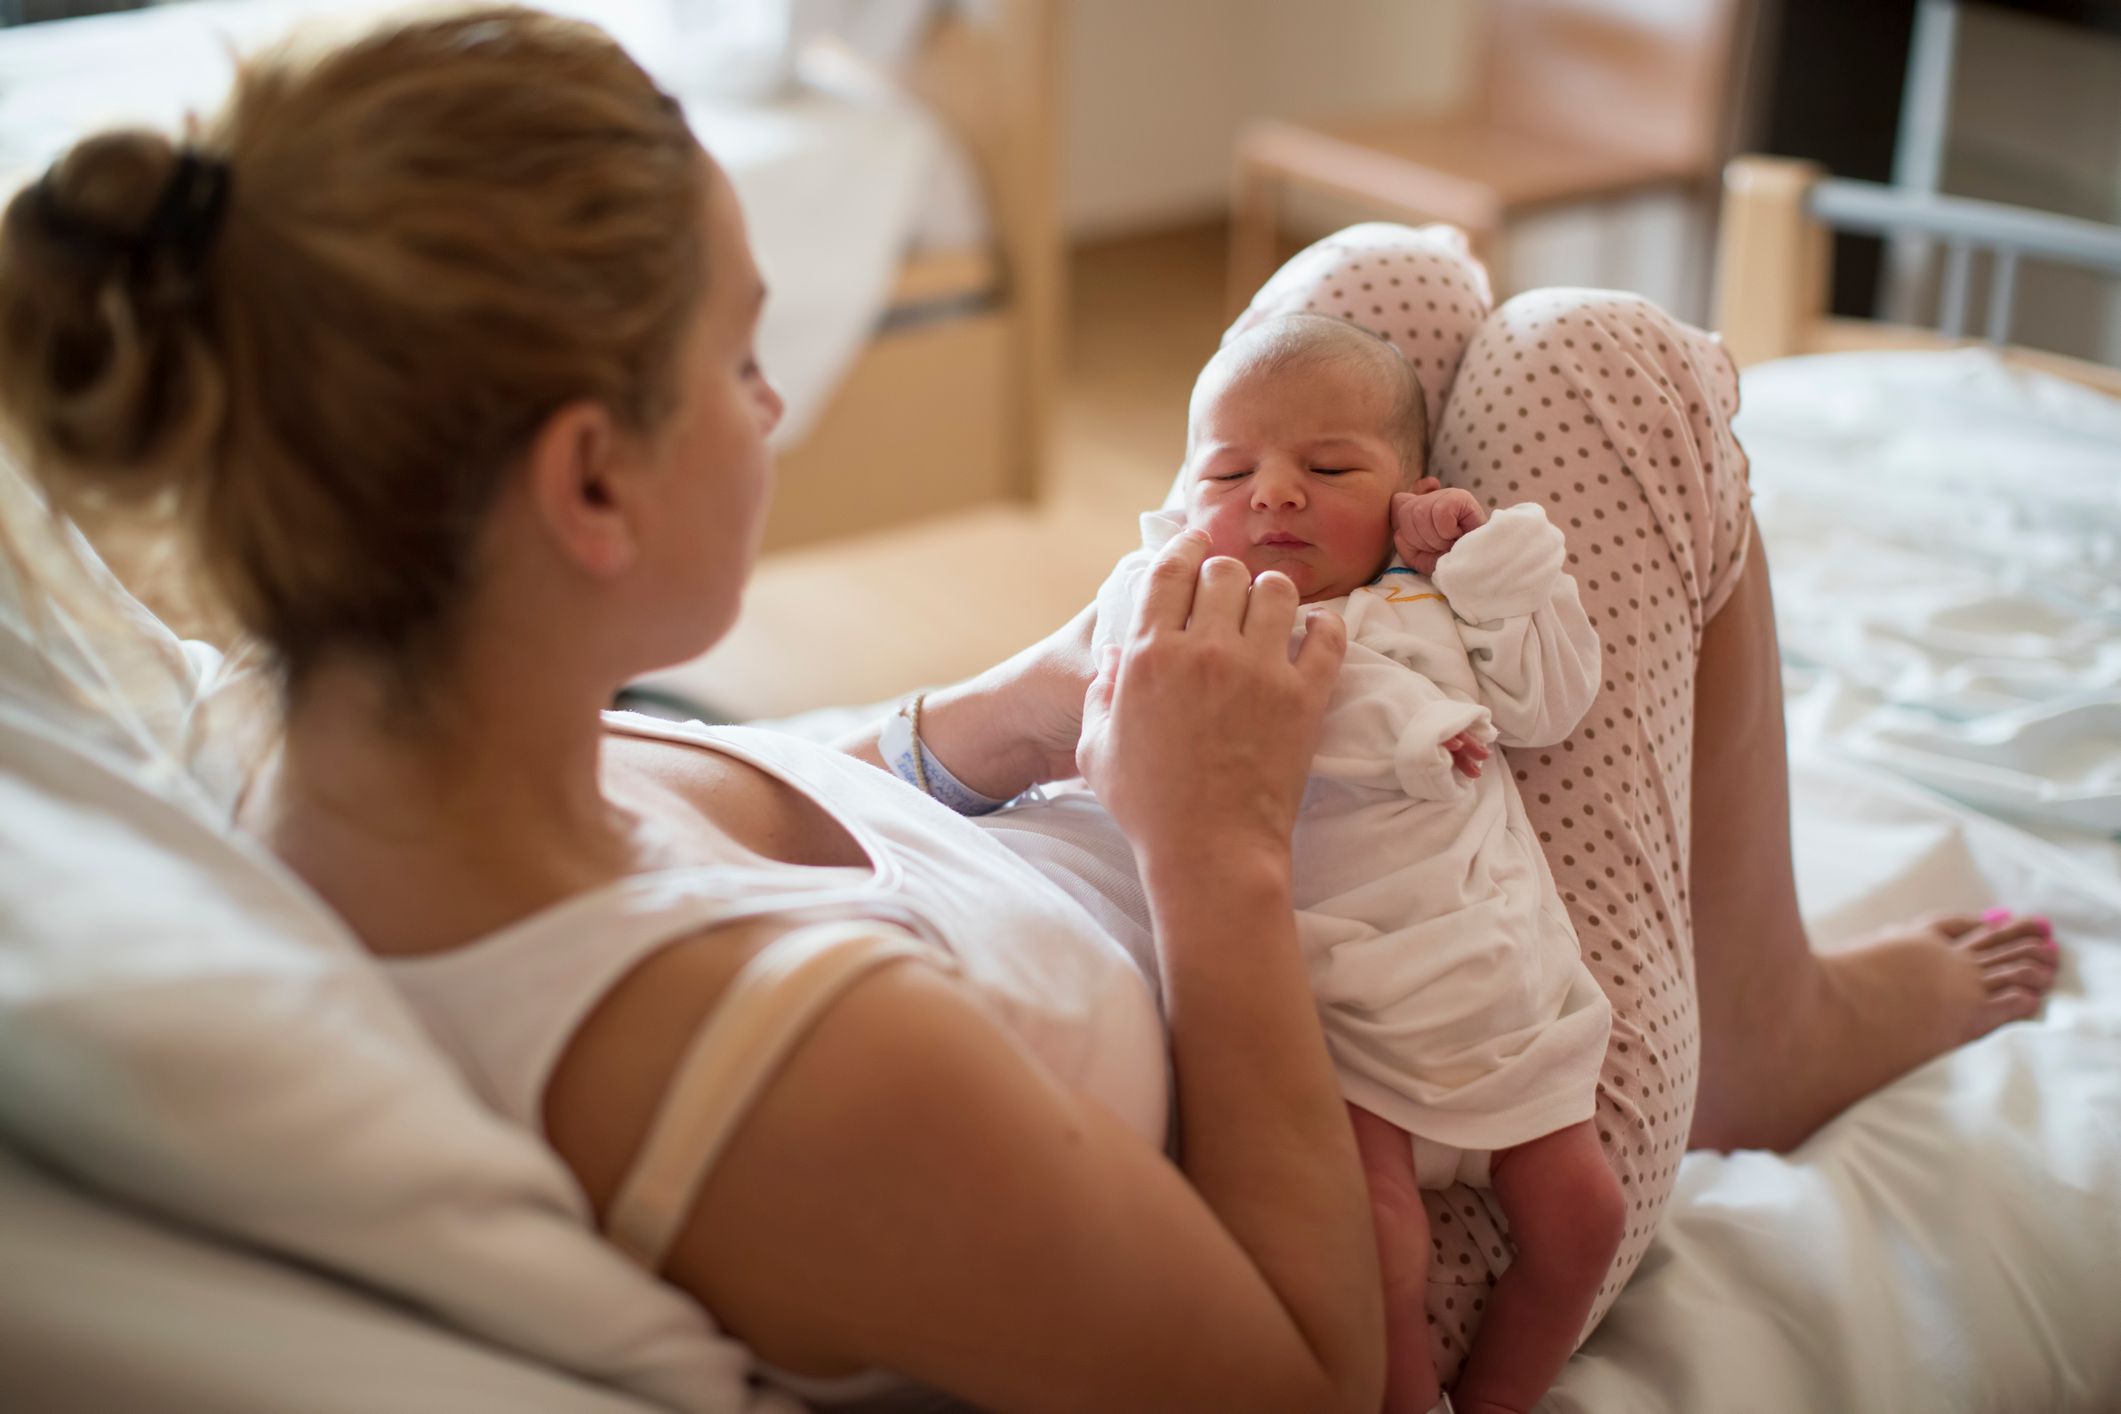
pixel 1455 1001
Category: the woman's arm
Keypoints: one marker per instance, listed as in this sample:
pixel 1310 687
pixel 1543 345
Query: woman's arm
pixel 914 1193
pixel 1011 727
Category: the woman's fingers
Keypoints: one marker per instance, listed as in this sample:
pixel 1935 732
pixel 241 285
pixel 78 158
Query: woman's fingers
pixel 1097 707
pixel 1219 599
pixel 1318 660
pixel 1270 614
pixel 1167 598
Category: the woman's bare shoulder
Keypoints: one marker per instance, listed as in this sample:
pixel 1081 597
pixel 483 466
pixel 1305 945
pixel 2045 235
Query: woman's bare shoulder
pixel 607 1083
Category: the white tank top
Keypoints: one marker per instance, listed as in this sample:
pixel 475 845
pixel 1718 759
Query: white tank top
pixel 506 1005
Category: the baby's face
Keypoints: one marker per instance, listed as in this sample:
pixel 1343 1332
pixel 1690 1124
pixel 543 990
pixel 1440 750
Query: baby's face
pixel 1293 471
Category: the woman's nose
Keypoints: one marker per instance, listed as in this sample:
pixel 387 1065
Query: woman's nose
pixel 770 403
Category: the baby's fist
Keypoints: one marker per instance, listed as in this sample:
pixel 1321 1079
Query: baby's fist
pixel 1428 520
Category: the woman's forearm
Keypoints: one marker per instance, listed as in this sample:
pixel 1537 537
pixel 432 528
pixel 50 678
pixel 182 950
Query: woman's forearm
pixel 1264 1135
pixel 1011 727
pixel 967 727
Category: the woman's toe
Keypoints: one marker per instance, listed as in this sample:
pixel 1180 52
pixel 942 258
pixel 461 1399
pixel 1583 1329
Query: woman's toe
pixel 2000 952
pixel 2015 1003
pixel 2029 975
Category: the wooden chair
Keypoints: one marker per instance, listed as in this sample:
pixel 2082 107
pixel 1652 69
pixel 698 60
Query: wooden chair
pixel 1578 100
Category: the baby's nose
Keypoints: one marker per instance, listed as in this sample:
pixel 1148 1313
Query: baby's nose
pixel 1277 488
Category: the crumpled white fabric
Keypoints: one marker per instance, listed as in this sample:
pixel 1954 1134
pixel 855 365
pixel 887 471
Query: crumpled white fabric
pixel 1945 534
pixel 1948 1245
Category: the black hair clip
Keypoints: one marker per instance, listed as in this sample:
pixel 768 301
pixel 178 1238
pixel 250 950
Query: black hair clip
pixel 186 217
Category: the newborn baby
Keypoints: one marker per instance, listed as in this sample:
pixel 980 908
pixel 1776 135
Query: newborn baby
pixel 1466 1030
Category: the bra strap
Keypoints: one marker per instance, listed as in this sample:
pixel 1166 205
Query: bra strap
pixel 764 1012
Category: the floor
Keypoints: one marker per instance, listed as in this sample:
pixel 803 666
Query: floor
pixel 947 597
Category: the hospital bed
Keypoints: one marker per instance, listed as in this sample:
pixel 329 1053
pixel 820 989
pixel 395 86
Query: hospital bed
pixel 234 1176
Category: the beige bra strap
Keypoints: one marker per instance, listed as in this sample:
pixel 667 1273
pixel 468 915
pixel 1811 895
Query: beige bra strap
pixel 764 1012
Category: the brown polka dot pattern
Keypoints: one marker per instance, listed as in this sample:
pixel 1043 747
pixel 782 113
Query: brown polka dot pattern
pixel 1417 287
pixel 1616 418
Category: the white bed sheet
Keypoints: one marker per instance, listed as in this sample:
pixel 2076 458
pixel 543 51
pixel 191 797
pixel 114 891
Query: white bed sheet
pixel 841 176
pixel 1946 540
pixel 1952 1243
pixel 1943 533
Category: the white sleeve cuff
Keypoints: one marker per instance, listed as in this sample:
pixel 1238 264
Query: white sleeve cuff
pixel 1505 569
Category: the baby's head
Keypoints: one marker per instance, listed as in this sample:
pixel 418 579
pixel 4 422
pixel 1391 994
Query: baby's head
pixel 1300 430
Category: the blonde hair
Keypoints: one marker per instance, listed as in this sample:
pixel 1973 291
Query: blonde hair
pixel 426 241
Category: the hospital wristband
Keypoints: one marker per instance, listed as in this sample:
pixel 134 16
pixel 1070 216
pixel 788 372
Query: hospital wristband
pixel 901 747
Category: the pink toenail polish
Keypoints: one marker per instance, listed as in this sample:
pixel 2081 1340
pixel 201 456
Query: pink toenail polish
pixel 2039 920
pixel 1995 915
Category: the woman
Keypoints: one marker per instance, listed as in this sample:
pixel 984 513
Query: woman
pixel 444 345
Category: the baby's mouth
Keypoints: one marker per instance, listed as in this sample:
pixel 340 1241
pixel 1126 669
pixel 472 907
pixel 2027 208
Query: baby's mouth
pixel 1281 541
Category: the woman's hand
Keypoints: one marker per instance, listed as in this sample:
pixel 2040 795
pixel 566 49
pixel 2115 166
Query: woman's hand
pixel 1045 688
pixel 1430 519
pixel 1199 728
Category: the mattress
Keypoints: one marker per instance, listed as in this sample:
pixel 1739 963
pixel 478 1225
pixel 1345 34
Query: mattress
pixel 1942 532
pixel 841 175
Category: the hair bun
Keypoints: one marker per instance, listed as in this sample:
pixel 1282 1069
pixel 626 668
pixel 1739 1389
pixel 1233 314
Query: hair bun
pixel 110 378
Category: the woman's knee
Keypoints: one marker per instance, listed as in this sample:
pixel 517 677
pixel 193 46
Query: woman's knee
pixel 1420 288
pixel 1568 396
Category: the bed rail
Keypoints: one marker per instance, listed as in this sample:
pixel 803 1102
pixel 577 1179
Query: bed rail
pixel 1774 258
pixel 2006 233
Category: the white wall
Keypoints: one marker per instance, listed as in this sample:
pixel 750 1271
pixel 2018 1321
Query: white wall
pixel 1158 89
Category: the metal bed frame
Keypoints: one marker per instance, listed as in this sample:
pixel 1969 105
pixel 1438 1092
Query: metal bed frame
pixel 1774 260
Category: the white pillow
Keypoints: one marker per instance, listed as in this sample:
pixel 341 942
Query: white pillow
pixel 184 1025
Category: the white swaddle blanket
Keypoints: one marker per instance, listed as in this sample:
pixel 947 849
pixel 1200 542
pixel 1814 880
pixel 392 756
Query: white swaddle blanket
pixel 1455 1002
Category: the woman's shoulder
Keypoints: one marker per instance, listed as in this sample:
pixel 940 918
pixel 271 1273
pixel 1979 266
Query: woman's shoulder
pixel 605 1089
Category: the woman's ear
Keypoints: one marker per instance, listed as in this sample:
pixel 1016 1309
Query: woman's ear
pixel 581 489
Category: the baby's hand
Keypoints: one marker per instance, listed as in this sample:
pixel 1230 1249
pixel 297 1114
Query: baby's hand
pixel 1428 520
pixel 1466 754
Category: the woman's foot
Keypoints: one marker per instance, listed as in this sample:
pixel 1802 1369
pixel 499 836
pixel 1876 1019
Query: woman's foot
pixel 1864 1015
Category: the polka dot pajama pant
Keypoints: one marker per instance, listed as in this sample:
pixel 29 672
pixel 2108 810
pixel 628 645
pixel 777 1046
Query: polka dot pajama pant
pixel 1616 418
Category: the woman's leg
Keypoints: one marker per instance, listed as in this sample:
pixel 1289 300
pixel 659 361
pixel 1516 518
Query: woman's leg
pixel 1614 418
pixel 1790 1038
pixel 1665 815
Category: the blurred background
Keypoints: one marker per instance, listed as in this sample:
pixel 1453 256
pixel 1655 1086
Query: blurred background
pixel 1003 235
